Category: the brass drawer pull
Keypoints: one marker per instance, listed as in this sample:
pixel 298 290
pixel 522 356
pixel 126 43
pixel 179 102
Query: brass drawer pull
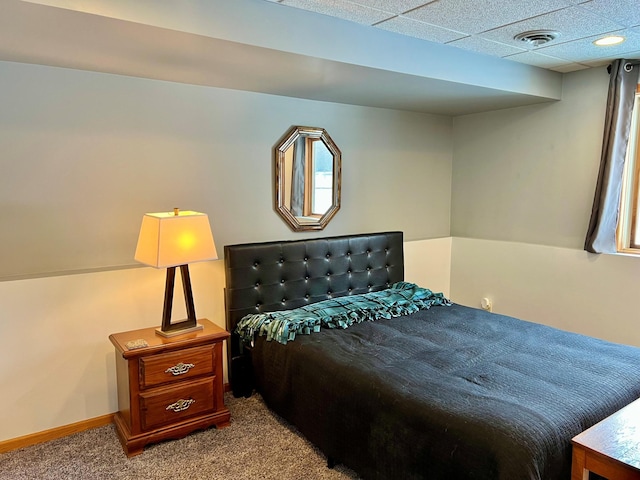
pixel 181 405
pixel 180 368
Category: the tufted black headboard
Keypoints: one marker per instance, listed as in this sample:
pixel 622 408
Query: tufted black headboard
pixel 263 277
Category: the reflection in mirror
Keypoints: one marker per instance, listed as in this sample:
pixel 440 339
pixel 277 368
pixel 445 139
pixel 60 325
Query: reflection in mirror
pixel 307 167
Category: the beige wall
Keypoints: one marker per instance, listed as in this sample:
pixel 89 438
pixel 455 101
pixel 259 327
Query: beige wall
pixel 84 155
pixel 566 288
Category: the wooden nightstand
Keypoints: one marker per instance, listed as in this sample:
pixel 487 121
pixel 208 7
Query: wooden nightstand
pixel 610 448
pixel 170 387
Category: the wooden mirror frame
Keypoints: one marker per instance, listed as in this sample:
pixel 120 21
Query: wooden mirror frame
pixel 299 224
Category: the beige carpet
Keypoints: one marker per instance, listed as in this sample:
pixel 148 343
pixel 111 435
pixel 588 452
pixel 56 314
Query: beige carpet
pixel 257 445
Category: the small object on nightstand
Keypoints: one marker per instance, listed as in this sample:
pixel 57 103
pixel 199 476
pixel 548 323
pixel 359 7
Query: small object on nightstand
pixel 139 343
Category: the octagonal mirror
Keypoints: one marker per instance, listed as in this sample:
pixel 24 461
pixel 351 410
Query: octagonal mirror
pixel 307 174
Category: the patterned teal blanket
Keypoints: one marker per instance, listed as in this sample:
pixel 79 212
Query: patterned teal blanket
pixel 401 298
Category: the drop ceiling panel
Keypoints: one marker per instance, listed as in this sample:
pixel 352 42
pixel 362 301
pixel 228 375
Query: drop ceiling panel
pixel 478 44
pixel 342 9
pixel 539 60
pixel 425 31
pixel 570 23
pixel 394 6
pixel 624 12
pixel 478 21
pixel 482 15
pixel 583 50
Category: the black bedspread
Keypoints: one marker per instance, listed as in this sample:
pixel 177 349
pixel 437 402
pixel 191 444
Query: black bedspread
pixel 449 393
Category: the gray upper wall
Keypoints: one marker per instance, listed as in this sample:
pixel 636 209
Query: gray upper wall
pixel 85 155
pixel 528 174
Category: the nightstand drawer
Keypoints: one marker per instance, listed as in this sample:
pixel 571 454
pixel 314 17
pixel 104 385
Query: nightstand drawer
pixel 169 405
pixel 174 366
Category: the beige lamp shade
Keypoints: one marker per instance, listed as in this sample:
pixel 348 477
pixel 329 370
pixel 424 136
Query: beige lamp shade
pixel 169 239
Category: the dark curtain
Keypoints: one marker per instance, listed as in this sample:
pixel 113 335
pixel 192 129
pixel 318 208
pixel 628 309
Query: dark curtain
pixel 601 236
pixel 297 180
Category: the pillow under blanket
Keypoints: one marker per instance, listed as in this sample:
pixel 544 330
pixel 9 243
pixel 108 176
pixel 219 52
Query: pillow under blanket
pixel 402 298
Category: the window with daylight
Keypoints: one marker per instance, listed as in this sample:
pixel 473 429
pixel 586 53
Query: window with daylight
pixel 321 177
pixel 628 232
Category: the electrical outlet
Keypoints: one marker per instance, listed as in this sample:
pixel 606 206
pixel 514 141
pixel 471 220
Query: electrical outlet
pixel 486 304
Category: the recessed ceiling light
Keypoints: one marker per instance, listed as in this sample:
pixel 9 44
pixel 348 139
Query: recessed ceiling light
pixel 610 40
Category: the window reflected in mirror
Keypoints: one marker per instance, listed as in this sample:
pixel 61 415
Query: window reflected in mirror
pixel 307 166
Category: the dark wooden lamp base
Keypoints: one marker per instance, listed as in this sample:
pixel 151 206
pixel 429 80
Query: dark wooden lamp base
pixel 169 329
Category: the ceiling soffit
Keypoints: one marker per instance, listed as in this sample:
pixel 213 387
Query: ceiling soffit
pixel 263 47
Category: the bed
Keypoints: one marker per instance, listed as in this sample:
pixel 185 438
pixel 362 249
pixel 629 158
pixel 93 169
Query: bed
pixel 448 392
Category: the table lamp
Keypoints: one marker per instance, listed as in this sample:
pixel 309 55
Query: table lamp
pixel 172 239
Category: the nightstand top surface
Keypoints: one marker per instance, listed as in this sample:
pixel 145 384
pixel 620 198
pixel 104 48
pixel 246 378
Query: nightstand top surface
pixel 210 332
pixel 616 437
